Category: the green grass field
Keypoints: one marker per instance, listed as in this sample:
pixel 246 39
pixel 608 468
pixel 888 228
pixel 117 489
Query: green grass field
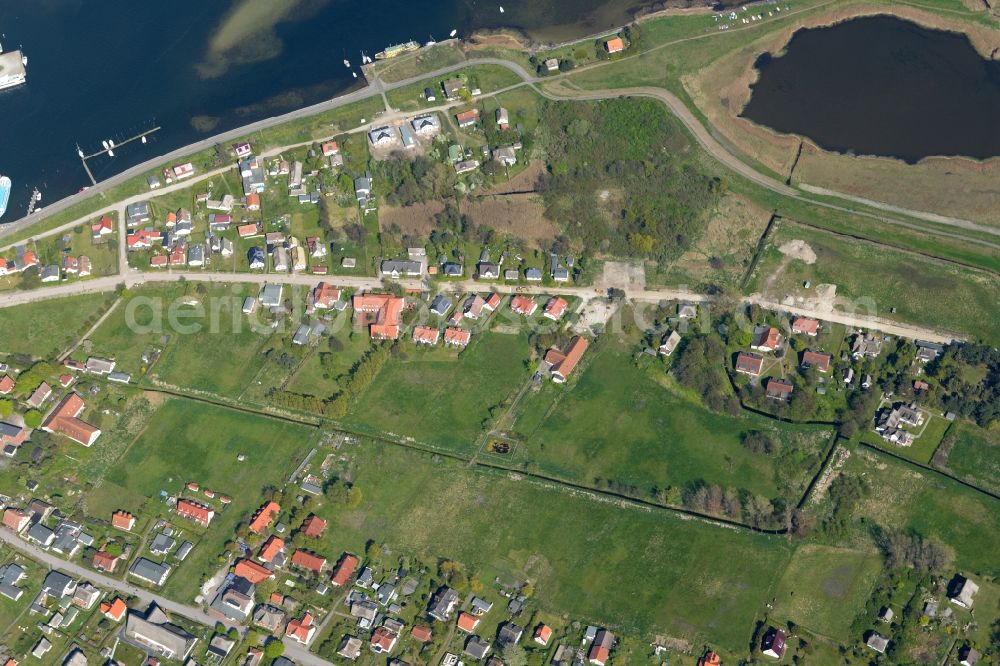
pixel 907 498
pixel 46 327
pixel 824 588
pixel 190 441
pixel 440 398
pixel 619 422
pixel 874 278
pixel 976 455
pixel 598 562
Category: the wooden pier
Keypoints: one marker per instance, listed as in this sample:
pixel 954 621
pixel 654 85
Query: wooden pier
pixel 84 158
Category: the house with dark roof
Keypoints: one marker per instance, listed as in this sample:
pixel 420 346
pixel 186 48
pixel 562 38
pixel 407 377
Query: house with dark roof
pixel 773 643
pixel 154 632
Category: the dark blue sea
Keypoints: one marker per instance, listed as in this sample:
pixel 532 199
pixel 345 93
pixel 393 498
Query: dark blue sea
pixel 108 69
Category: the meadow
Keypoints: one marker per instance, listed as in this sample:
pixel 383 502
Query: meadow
pixel 441 398
pixel 903 497
pixel 46 327
pixel 634 570
pixel 629 424
pixel 975 457
pixel 824 588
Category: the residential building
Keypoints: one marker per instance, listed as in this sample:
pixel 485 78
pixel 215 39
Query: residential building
pixel 345 569
pixel 426 335
pixel 196 511
pixel 877 642
pixel 523 305
pixel 542 635
pixel 262 518
pixel 779 389
pixel 426 125
pixel 600 649
pixel 687 310
pixel 555 308
pixel 313 526
pixel 805 325
pixel 962 591
pixel 301 630
pixel 443 604
pixel 669 343
pixel 467 118
pixel 457 337
pixel 766 339
pixel 149 571
pixel 154 631
pixel 819 360
pixel 773 643
pixel 381 312
pixel 749 363
pixel 561 364
pixel 614 45
pixel 251 571
pixel 65 420
pixel 309 561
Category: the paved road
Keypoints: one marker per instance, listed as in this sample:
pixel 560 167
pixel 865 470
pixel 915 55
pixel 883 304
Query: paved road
pixel 134 278
pixel 193 613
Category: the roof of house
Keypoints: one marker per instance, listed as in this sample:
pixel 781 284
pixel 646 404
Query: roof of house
pixel 271 548
pixel 345 569
pixel 387 309
pixel 313 526
pixel 265 514
pixel 749 362
pixel 805 325
pixel 64 419
pixel 156 627
pixel 195 511
pixel 556 307
pixel 306 560
pixel 563 363
pixel 467 622
pixel 779 388
pixel 818 360
pixel 523 305
pixel 301 629
pixel 253 572
pixel 115 609
pixel 426 334
pixel 615 44
pixel 422 633
pixel 457 336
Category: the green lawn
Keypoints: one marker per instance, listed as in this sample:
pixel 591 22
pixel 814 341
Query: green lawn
pixel 222 358
pixel 907 498
pixel 824 588
pixel 190 441
pixel 442 398
pixel 618 422
pixel 976 455
pixel 130 329
pixel 636 570
pixel 46 327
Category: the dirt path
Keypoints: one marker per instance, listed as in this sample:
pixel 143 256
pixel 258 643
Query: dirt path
pixel 90 331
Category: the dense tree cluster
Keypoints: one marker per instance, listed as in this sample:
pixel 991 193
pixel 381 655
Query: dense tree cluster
pixel 414 180
pixel 628 152
pixel 977 400
pixel 700 366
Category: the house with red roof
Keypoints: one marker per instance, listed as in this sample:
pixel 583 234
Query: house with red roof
pixel 142 239
pixel 122 520
pixel 766 339
pixel 457 337
pixel 6 385
pixel 492 301
pixel 383 640
pixel 301 630
pixel 253 572
pixel 158 261
pixel 325 295
pixel 345 569
pixel 381 313
pixel 329 148
pixel 272 551
pixel 104 561
pixel 313 526
pixel 749 363
pixel 309 561
pixel 65 420
pixel 543 633
pixel 555 308
pixel 426 335
pixel 102 228
pixel 523 305
pixel 28 259
pixel 253 201
pixel 818 360
pixel 15 519
pixel 196 511
pixel 600 650
pixel 262 519
pixel 779 389
pixel 561 364
pixel 248 230
pixel 467 118
pixel 422 633
pixel 114 610
pixel 805 325
pixel 614 45
pixel 467 622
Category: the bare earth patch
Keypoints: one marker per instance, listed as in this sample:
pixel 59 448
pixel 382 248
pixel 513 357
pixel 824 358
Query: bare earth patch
pixel 417 219
pixel 519 215
pixel 798 249
pixel 522 182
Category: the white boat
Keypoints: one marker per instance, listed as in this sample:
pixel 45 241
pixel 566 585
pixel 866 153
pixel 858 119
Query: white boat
pixel 105 144
pixel 144 138
pixel 4 194
pixel 501 9
pixel 111 153
pixel 111 143
pixel 355 74
pixel 453 33
pixel 347 63
pixel 12 71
